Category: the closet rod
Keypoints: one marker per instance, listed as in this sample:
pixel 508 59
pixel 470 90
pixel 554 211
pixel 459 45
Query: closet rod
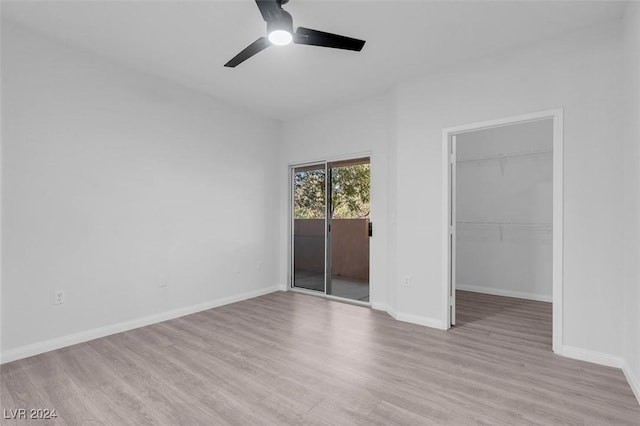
pixel 523 224
pixel 540 227
pixel 507 155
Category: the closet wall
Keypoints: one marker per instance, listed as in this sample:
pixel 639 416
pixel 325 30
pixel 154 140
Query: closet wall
pixel 504 211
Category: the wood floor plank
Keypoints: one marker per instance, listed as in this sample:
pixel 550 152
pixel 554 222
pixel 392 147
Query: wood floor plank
pixel 287 358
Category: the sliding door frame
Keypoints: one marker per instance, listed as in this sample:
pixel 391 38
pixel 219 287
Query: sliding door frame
pixel 556 115
pixel 291 268
pixel 291 273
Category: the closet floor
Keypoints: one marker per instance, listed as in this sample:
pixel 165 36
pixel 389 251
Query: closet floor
pixel 288 358
pixel 526 322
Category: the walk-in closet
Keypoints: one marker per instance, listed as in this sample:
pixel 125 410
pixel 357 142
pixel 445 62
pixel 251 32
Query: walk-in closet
pixel 503 216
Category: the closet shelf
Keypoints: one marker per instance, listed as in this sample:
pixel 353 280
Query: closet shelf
pixel 537 225
pixel 506 155
pixel 501 226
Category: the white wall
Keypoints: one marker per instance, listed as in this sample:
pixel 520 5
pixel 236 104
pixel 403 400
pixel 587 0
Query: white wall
pixel 1 190
pixel 631 190
pixel 360 128
pixel 510 260
pixel 579 72
pixel 113 182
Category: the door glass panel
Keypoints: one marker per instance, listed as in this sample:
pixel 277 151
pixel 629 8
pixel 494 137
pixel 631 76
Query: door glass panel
pixel 309 223
pixel 349 229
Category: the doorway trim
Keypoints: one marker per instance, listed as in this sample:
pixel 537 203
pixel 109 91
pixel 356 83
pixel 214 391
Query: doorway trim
pixel 290 224
pixel 558 210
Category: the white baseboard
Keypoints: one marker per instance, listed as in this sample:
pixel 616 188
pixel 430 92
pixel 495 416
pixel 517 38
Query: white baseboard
pixel 606 360
pixel 420 320
pixel 379 306
pixel 591 356
pixel 502 292
pixel 84 336
pixel 632 379
pixel 415 319
pixel 392 312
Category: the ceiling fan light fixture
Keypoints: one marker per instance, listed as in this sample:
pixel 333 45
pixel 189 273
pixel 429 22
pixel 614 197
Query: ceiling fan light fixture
pixel 280 33
pixel 280 37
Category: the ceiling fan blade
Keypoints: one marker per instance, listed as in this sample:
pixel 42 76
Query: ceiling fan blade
pixel 256 47
pixel 320 38
pixel 270 9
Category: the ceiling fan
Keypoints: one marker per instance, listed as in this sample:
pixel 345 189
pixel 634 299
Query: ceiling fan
pixel 280 32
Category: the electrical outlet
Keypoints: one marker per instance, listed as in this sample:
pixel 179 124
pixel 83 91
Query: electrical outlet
pixel 407 281
pixel 58 297
pixel 259 266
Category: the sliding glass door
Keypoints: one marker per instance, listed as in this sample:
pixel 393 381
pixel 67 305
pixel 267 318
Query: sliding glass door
pixel 331 228
pixel 309 226
pixel 349 205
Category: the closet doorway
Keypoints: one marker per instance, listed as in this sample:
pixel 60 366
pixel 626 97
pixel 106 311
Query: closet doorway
pixel 331 228
pixel 504 229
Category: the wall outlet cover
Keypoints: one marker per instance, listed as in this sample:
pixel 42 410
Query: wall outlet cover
pixel 58 297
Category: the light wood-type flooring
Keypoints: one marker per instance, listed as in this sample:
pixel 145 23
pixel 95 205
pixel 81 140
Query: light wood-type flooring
pixel 288 358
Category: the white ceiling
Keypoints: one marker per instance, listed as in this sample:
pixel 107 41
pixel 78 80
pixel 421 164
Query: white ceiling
pixel 189 41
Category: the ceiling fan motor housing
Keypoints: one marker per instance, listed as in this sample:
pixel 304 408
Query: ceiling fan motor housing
pixel 280 33
pixel 283 21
